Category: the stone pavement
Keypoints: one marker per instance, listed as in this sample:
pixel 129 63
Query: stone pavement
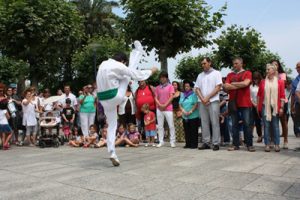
pixel 149 173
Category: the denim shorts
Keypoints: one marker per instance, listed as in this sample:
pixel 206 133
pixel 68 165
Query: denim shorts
pixel 5 128
pixel 150 133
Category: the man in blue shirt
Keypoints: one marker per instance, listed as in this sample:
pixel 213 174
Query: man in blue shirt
pixel 295 103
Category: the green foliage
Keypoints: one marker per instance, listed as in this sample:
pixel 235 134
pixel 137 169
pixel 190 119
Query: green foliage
pixel 42 32
pixel 102 48
pixel 11 70
pixel 154 79
pixel 98 17
pixel 171 26
pixel 189 67
pixel 236 41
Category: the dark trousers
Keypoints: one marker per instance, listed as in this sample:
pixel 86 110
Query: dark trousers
pixel 126 119
pixel 296 119
pixel 224 129
pixel 247 127
pixel 257 122
pixel 191 132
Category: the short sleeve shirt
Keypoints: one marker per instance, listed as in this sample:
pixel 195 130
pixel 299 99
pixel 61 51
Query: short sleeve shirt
pixel 88 105
pixel 163 94
pixel 149 117
pixel 3 119
pixel 242 96
pixel 207 81
pixel 187 104
pixel 68 112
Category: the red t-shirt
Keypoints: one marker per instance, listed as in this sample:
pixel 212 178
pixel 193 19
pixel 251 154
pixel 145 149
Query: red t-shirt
pixel 242 95
pixel 144 96
pixel 149 117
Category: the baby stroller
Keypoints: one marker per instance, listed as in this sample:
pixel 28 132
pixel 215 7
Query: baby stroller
pixel 50 138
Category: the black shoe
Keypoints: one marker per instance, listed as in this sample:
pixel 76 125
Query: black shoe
pixel 216 148
pixel 193 147
pixel 204 146
pixel 186 147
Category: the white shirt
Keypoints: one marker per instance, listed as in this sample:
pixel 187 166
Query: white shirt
pixel 72 97
pixel 3 119
pixel 29 117
pixel 207 81
pixel 123 105
pixel 111 72
pixel 253 93
pixel 47 107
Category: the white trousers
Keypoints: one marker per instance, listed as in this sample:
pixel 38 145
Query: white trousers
pixel 161 115
pixel 86 119
pixel 110 110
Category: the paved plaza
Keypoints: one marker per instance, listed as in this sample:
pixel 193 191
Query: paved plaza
pixel 149 173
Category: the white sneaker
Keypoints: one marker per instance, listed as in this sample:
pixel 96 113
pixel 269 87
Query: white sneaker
pixel 146 145
pixel 159 145
pixel 173 145
pixel 114 159
pixel 153 145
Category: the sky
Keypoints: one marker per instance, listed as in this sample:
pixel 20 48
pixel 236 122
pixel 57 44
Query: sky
pixel 278 21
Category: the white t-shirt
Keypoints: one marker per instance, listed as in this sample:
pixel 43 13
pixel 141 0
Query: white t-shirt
pixel 29 115
pixel 253 93
pixel 3 119
pixel 47 107
pixel 207 81
pixel 72 97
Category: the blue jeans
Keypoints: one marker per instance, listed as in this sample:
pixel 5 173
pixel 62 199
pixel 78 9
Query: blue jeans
pixel 246 115
pixel 267 128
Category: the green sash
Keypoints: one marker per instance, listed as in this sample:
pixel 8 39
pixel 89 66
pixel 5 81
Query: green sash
pixel 107 94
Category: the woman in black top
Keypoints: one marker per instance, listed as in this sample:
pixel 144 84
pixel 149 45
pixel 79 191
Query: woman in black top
pixel 177 113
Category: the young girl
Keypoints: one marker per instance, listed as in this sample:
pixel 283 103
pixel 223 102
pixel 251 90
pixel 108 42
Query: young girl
pixel 5 130
pixel 77 138
pixel 91 139
pixel 133 135
pixel 122 138
pixel 102 141
pixel 150 125
pixel 29 116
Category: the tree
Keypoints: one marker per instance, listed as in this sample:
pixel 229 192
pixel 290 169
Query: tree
pixel 98 16
pixel 246 43
pixel 11 71
pixel 189 67
pixel 40 32
pixel 171 26
pixel 236 41
pixel 98 50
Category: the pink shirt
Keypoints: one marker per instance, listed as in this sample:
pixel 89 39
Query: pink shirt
pixel 163 94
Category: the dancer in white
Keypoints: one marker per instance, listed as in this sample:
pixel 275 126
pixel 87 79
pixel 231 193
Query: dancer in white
pixel 112 80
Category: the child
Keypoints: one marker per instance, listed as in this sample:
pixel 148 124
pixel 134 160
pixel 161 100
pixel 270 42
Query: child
pixel 68 115
pixel 122 138
pixel 77 138
pixel 102 141
pixel 150 125
pixel 91 139
pixel 133 135
pixel 5 130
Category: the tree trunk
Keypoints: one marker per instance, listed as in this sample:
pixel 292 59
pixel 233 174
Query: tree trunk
pixel 33 75
pixel 163 60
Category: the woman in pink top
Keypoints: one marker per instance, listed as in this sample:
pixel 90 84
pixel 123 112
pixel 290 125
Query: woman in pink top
pixel 283 118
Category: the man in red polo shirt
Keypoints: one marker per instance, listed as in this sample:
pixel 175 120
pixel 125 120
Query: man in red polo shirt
pixel 238 86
